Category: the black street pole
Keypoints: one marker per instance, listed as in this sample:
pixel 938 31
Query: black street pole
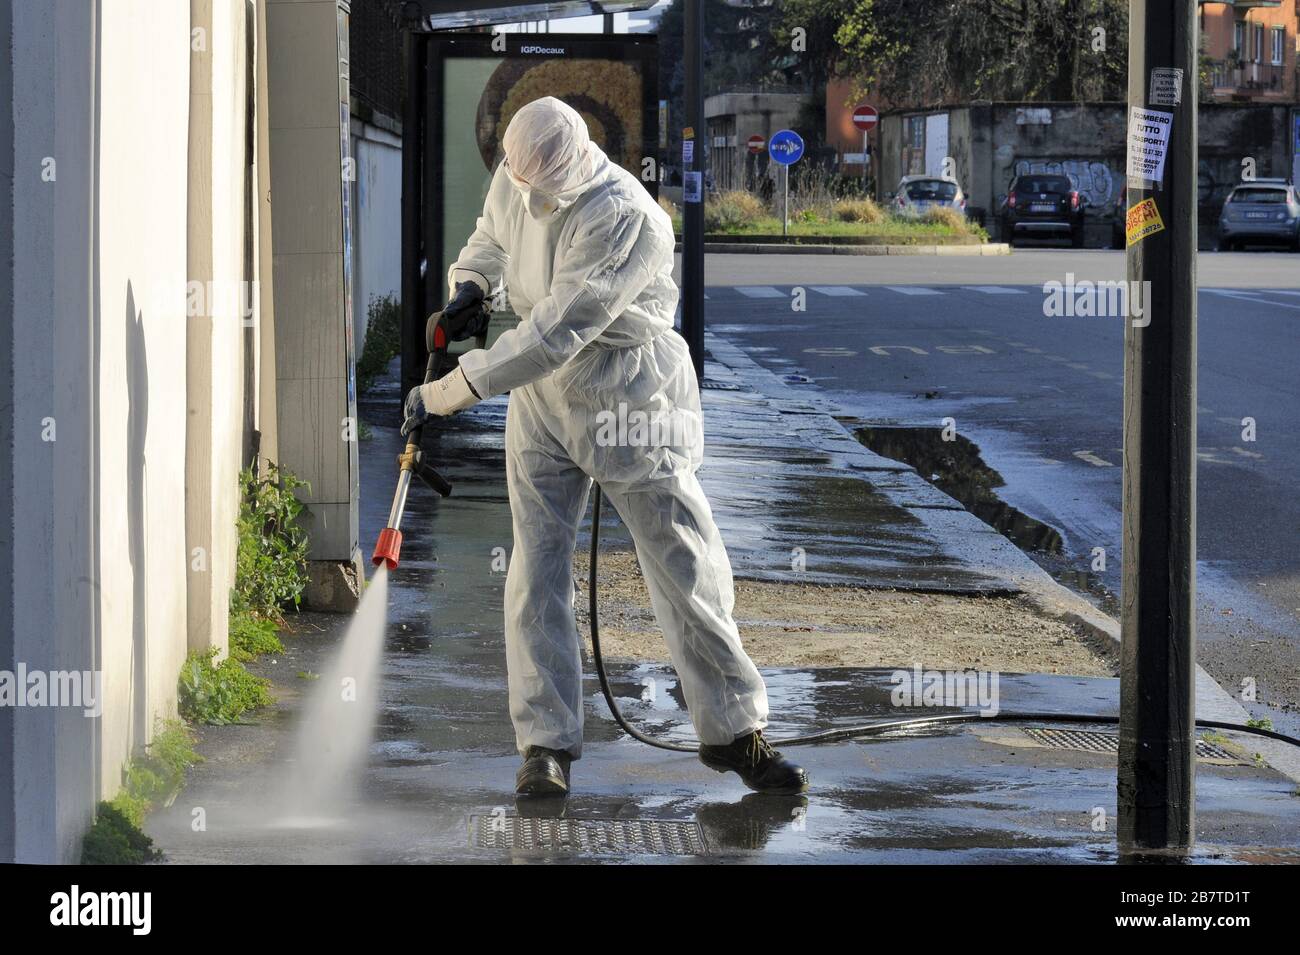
pixel 693 137
pixel 1155 784
pixel 413 306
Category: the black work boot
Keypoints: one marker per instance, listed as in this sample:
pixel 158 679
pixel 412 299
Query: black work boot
pixel 545 772
pixel 761 767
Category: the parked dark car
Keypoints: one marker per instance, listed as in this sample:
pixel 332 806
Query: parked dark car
pixel 1263 211
pixel 1119 219
pixel 1042 206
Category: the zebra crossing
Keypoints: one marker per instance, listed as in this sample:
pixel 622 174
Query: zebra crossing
pixel 852 291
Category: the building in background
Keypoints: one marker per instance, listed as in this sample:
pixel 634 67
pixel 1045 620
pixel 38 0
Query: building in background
pixel 378 78
pixel 989 144
pixel 854 148
pixel 732 117
pixel 1248 50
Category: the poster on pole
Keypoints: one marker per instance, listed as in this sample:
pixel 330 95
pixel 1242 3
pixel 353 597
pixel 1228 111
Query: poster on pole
pixel 1148 144
pixel 692 188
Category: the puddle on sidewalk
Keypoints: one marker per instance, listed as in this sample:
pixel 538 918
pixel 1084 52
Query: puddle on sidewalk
pixel 956 467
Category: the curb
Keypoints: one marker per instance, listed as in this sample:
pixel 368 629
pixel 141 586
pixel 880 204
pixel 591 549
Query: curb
pixel 803 248
pixel 1047 595
pixel 1213 702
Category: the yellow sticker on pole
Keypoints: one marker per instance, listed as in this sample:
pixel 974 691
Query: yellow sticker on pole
pixel 1141 221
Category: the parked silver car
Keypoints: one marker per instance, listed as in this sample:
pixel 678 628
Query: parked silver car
pixel 916 194
pixel 1263 211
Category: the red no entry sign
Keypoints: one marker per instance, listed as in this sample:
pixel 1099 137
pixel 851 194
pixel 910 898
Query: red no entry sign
pixel 865 117
pixel 756 144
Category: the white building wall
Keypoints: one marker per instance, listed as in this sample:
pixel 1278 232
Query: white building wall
pixel 217 201
pixel 95 402
pixel 49 338
pixel 229 203
pixel 316 395
pixel 143 120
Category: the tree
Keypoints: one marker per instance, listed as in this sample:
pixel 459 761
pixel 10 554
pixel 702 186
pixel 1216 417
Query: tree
pixel 738 53
pixel 930 52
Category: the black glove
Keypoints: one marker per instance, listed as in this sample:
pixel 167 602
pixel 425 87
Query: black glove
pixel 463 317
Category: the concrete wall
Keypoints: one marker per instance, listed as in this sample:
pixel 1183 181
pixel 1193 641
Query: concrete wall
pixel 1085 142
pixel 51 592
pixel 309 125
pixel 140 333
pixel 377 221
pixel 1230 133
pixel 267 417
pixel 97 545
pixel 731 119
pixel 106 190
pixel 221 301
pixel 992 143
pixel 6 422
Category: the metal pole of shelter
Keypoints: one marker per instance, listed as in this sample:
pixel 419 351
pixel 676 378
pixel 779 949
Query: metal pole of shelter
pixel 1155 782
pixel 692 298
pixel 413 310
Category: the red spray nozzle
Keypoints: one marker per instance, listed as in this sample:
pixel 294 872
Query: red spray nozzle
pixel 387 548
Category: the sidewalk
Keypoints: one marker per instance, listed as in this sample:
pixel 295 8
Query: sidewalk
pixel 438 785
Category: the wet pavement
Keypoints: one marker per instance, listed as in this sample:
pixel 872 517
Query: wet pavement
pixel 438 782
pixel 781 474
pixel 905 345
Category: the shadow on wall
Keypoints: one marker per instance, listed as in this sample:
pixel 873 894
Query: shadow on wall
pixel 137 427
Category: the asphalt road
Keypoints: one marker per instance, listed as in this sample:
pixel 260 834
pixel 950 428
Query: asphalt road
pixel 915 340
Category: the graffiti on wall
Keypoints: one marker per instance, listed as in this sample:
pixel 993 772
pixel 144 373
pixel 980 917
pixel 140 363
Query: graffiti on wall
pixel 1091 178
pixel 1215 179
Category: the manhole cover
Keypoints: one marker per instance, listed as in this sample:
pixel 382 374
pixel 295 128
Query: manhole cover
pixel 1109 743
pixel 619 836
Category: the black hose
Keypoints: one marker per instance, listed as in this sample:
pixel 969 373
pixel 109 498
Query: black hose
pixel 847 732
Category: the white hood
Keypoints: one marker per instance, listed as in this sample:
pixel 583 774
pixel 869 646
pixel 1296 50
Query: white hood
pixel 550 157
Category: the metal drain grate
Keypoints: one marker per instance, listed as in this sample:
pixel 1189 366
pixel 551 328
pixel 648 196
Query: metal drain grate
pixel 1109 743
pixel 619 836
pixel 713 384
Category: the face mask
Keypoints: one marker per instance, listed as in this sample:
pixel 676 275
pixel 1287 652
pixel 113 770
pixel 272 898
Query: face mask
pixel 540 205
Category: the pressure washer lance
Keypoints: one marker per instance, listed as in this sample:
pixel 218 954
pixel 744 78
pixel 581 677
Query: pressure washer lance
pixel 412 460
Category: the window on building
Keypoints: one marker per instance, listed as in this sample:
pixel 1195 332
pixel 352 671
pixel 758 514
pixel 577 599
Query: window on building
pixel 916 128
pixel 1279 40
pixel 1257 54
pixel 1239 39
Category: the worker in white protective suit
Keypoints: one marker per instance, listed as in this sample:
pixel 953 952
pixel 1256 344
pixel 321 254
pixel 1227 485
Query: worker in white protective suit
pixel 587 257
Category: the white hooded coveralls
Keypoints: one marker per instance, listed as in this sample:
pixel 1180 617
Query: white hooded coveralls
pixel 587 257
